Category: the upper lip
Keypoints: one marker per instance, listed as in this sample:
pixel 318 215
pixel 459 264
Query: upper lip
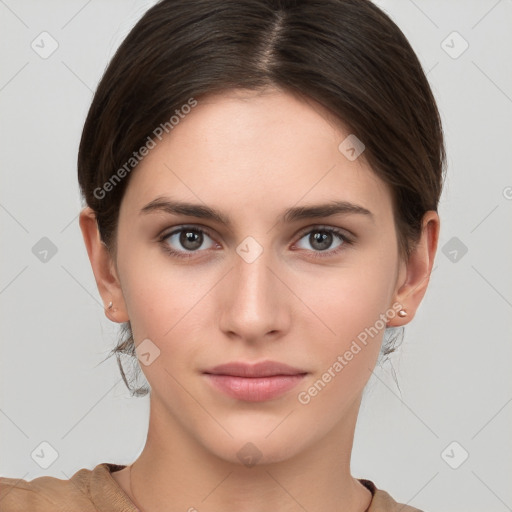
pixel 262 369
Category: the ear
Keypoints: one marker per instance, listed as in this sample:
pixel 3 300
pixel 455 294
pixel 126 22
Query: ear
pixel 414 274
pixel 103 268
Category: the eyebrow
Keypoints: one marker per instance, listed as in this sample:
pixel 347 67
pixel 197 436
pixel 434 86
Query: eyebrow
pixel 166 205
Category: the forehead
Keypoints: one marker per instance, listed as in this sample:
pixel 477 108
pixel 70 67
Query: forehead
pixel 264 151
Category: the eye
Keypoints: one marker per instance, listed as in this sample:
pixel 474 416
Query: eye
pixel 185 241
pixel 321 240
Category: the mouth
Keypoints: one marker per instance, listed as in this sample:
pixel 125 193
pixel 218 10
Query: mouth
pixel 254 382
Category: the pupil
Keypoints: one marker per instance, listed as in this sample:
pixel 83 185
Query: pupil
pixel 324 240
pixel 191 240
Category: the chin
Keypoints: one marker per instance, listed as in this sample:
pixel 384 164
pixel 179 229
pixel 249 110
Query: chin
pixel 255 447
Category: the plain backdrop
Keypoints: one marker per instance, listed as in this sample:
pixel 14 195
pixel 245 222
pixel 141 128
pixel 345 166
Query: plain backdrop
pixel 439 440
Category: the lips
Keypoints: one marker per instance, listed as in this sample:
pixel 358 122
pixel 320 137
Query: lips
pixel 262 369
pixel 254 382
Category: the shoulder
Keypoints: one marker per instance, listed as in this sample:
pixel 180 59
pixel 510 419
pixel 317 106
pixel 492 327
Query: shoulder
pixel 50 494
pixel 383 502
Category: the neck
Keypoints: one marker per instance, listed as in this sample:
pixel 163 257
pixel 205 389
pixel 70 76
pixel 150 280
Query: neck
pixel 183 475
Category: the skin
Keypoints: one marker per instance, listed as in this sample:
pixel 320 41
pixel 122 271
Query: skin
pixel 251 156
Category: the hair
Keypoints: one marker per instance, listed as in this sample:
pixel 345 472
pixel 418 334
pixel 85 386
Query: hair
pixel 347 55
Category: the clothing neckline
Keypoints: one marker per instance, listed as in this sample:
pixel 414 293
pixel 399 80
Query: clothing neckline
pixel 112 468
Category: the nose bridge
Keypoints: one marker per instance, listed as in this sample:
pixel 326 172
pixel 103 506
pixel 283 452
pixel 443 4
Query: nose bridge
pixel 254 305
pixel 253 278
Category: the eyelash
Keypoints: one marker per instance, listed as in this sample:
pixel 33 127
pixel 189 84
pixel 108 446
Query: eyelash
pixel 316 254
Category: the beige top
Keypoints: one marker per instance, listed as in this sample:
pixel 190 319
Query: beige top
pixel 96 490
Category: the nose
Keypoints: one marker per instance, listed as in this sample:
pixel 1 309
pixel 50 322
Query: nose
pixel 255 304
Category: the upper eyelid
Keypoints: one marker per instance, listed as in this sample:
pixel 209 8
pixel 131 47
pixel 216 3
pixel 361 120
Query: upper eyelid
pixel 319 227
pixel 176 229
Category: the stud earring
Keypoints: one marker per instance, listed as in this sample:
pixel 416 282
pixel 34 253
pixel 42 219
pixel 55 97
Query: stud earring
pixel 402 313
pixel 110 305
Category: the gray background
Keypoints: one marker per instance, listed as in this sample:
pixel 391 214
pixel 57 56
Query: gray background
pixel 453 368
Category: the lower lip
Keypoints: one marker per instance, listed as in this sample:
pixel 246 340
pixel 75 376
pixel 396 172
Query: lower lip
pixel 254 389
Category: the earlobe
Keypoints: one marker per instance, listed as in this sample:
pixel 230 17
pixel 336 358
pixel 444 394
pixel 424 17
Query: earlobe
pixel 413 282
pixel 103 268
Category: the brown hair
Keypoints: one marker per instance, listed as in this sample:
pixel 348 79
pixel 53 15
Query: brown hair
pixel 348 55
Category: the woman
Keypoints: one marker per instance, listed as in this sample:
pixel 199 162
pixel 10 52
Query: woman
pixel 262 180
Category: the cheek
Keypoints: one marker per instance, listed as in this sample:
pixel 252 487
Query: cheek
pixel 347 323
pixel 155 290
pixel 345 356
pixel 347 300
pixel 168 303
pixel 164 305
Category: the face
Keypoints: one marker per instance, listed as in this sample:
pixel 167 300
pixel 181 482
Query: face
pixel 266 279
